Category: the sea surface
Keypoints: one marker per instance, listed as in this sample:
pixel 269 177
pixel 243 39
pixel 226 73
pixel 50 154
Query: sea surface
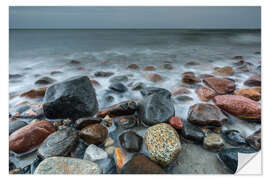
pixel 36 53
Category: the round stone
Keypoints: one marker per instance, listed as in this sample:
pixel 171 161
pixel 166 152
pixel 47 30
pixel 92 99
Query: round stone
pixel 162 143
pixel 130 141
pixel 94 134
pixel 94 153
pixel 213 141
pixel 59 143
pixel 66 165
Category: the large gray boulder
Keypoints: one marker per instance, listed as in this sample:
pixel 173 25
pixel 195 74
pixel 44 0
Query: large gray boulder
pixel 156 106
pixel 73 98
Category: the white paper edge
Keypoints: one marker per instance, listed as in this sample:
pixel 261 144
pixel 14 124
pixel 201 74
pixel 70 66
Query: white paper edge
pixel 249 164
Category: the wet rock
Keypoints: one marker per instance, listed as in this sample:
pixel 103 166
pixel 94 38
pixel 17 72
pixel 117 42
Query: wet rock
pixel 167 66
pixel 176 123
pixel 239 106
pixel 94 134
pixel 154 77
pixel 155 108
pixel 108 142
pixel 74 62
pixel 213 141
pixel 32 112
pixel 220 85
pixel 162 143
pixel 120 109
pixel 192 63
pixel 109 98
pixel 120 78
pixel 35 93
pixel 95 82
pixel 30 136
pixel 189 78
pixel 79 150
pixel 239 63
pixel 254 140
pixel 57 124
pixel 205 94
pixel 184 99
pixel 60 143
pixel 56 72
pixel 234 137
pixel 203 76
pixel 127 122
pixel 206 114
pixel 107 121
pixel 152 90
pixel 83 122
pixel 243 68
pixel 15 76
pixel 130 141
pixel 180 91
pixel 224 71
pixel 230 157
pixel 103 74
pixel 45 80
pixel 192 133
pixel 138 86
pixel 73 98
pixel 67 165
pixel 95 154
pixel 140 164
pixel 133 66
pixel 118 87
pixel 238 57
pixel 110 150
pixel 120 158
pixel 254 80
pixel 249 93
pixel 257 89
pixel 15 125
pixel 149 68
pixel 67 122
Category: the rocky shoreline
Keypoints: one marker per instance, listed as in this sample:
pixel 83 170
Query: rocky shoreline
pixel 66 131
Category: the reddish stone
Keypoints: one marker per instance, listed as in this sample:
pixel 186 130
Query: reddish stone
pixel 35 93
pixel 189 77
pixel 181 91
pixel 220 85
pixel 224 71
pixel 176 122
pixel 254 80
pixel 239 106
pixel 149 68
pixel 205 94
pixel 94 133
pixel 30 136
pixel 154 77
pixel 133 66
pixel 249 93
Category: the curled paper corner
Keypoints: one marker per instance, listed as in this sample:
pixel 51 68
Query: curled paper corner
pixel 249 164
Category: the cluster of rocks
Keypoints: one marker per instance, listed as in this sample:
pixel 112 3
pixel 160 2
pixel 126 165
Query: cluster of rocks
pixel 75 136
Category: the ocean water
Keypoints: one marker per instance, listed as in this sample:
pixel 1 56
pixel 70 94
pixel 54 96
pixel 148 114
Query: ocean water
pixel 36 53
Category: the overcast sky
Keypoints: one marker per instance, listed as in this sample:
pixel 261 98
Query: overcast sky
pixel 135 17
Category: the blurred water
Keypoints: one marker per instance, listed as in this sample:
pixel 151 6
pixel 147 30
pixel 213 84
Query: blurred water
pixel 36 53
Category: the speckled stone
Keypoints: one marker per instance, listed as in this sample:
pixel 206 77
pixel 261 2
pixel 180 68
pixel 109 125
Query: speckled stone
pixel 162 143
pixel 213 141
pixel 66 165
pixel 59 143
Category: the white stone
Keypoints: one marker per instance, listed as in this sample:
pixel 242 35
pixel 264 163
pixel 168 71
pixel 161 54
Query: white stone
pixel 94 153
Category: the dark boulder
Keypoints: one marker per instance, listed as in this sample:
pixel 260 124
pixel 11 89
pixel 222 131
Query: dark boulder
pixel 156 106
pixel 230 157
pixel 127 122
pixel 206 114
pixel 234 137
pixel 140 164
pixel 118 87
pixel 130 141
pixel 73 98
pixel 254 140
pixel 192 133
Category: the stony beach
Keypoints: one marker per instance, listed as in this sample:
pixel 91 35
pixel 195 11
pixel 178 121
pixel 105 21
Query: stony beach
pixel 164 110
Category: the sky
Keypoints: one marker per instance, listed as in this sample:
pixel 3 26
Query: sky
pixel 23 17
